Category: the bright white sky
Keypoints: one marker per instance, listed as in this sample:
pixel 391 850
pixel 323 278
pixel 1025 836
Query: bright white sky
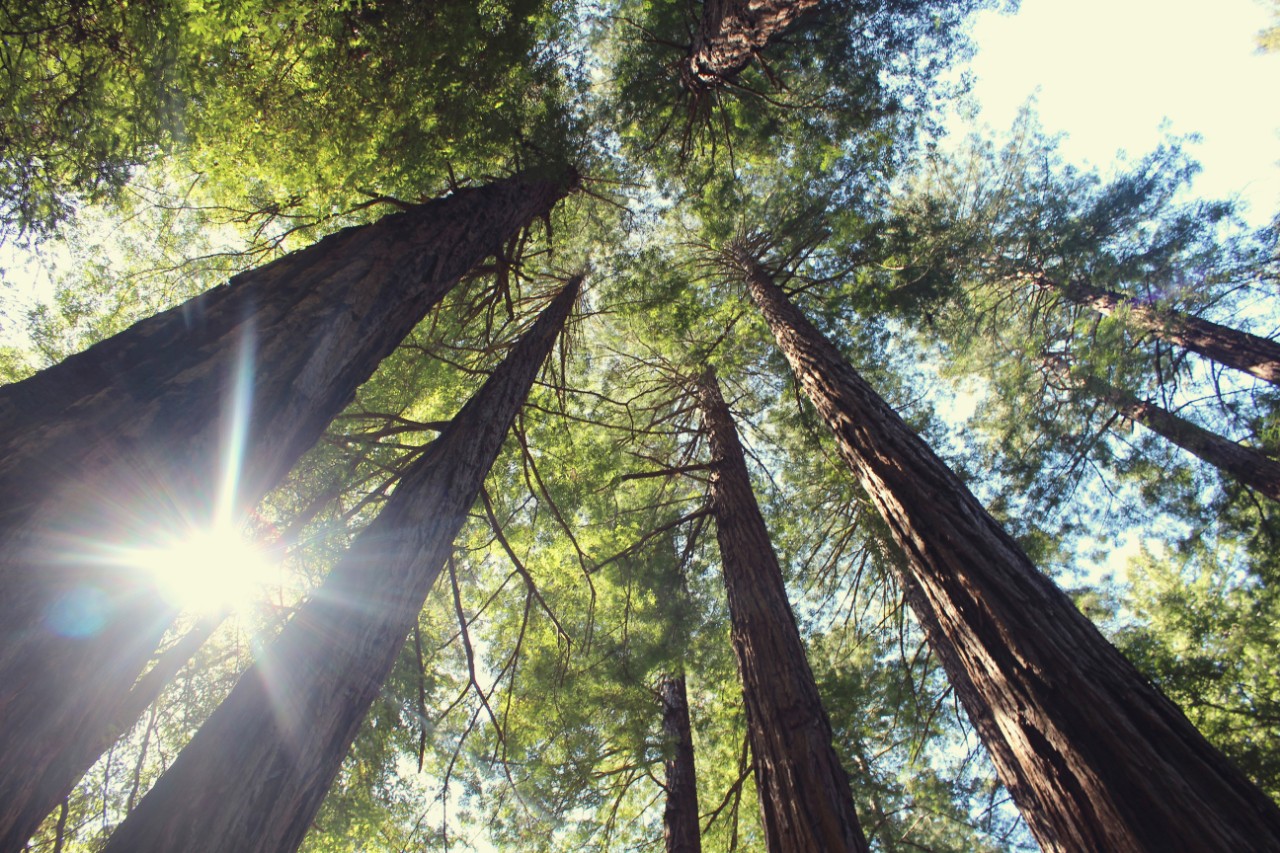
pixel 1110 72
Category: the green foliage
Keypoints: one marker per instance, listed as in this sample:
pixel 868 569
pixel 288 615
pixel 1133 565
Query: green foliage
pixel 287 109
pixel 90 91
pixel 521 712
pixel 1206 634
pixel 847 77
pixel 964 249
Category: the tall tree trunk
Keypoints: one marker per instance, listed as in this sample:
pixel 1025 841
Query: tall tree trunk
pixel 804 792
pixel 1094 756
pixel 1246 464
pixel 680 815
pixel 256 772
pixel 731 34
pixel 149 687
pixel 133 438
pixel 1230 347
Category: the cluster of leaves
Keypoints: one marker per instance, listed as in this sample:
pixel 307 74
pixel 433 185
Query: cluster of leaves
pixel 288 110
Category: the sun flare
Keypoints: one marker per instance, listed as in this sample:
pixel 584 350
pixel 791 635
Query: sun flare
pixel 207 570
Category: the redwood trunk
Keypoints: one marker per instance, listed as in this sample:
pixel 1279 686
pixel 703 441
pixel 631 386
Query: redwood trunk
pixel 126 441
pixel 680 815
pixel 804 792
pixel 1246 464
pixel 1093 755
pixel 149 687
pixel 731 34
pixel 1230 347
pixel 253 777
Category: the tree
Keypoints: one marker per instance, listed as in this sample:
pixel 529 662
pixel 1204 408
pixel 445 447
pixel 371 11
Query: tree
pixel 804 792
pixel 1006 253
pixel 680 815
pixel 1074 730
pixel 1248 465
pixel 129 438
pixel 293 716
pixel 1236 349
pixel 701 93
pixel 731 36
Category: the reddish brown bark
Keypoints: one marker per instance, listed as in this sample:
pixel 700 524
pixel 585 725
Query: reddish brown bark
pixel 1230 347
pixel 680 814
pixel 1093 755
pixel 256 772
pixel 731 34
pixel 1246 464
pixel 126 439
pixel 804 792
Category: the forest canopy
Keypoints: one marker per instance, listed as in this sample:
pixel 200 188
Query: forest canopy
pixel 543 425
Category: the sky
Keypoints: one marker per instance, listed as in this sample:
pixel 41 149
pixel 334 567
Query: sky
pixel 1115 74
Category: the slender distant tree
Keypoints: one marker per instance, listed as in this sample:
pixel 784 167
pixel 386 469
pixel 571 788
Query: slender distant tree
pixel 1246 464
pixel 256 772
pixel 1094 756
pixel 680 814
pixel 804 793
pixel 207 404
pixel 1230 347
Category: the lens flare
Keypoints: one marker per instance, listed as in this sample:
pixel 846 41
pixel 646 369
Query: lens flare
pixel 198 560
pixel 206 571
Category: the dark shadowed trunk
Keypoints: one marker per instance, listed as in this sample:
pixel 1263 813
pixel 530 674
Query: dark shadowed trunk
pixel 256 772
pixel 1230 347
pixel 1094 756
pixel 149 687
pixel 804 792
pixel 1245 464
pixel 680 815
pixel 128 441
pixel 731 34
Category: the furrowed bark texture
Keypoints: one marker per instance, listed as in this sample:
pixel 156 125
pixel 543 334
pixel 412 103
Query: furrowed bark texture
pixel 804 792
pixel 730 35
pixel 256 772
pixel 1247 465
pixel 1094 756
pixel 680 815
pixel 1230 347
pixel 126 440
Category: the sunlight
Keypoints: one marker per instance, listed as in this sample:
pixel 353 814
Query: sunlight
pixel 207 571
pixel 211 568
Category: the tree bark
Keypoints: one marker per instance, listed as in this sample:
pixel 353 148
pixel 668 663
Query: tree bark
pixel 1094 756
pixel 127 440
pixel 149 687
pixel 253 777
pixel 1230 347
pixel 731 34
pixel 1246 464
pixel 804 792
pixel 680 815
